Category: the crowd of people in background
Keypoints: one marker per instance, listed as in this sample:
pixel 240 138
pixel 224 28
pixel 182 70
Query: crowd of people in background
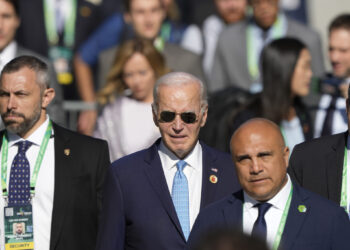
pixel 169 84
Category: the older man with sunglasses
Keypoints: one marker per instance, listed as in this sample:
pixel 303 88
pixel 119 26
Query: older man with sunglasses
pixel 153 197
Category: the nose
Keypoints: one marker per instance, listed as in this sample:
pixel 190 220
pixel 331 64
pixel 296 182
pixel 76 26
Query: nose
pixel 178 124
pixel 256 167
pixel 11 103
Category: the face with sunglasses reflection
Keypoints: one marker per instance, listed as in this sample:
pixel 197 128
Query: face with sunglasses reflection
pixel 180 117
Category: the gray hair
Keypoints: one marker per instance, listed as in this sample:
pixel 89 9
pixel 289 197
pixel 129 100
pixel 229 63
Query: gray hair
pixel 39 67
pixel 177 79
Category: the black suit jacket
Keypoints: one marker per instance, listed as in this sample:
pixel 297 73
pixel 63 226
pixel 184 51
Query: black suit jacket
pixel 317 165
pixel 138 212
pixel 322 225
pixel 80 166
pixel 32 33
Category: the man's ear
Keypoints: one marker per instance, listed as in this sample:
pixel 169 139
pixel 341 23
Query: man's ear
pixel 155 118
pixel 48 96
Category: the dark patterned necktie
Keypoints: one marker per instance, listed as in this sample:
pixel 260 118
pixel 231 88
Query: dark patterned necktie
pixel 259 228
pixel 19 185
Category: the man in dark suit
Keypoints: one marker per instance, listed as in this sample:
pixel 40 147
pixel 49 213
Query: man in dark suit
pixel 321 165
pixel 9 49
pixel 270 205
pixel 66 197
pixel 152 197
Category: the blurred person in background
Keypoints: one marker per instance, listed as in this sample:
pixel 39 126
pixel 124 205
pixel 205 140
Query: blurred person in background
pixel 286 76
pixel 331 116
pixel 56 28
pixel 227 12
pixel 236 61
pixel 146 18
pixel 126 121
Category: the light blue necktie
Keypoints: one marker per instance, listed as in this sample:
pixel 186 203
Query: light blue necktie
pixel 180 198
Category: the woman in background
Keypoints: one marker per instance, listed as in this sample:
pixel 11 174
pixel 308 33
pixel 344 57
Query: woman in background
pixel 286 77
pixel 126 120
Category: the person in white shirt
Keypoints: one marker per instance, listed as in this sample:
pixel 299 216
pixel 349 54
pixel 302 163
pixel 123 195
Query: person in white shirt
pixel 65 170
pixel 270 205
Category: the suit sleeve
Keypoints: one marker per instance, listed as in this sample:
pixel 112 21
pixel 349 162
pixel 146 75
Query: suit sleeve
pixel 111 234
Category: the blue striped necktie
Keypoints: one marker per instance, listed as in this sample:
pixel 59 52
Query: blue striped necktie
pixel 19 184
pixel 180 198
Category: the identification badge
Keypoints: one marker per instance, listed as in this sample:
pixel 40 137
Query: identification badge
pixel 18 227
pixel 62 61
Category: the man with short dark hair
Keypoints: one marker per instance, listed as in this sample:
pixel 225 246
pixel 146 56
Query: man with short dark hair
pixel 54 175
pixel 152 197
pixel 270 205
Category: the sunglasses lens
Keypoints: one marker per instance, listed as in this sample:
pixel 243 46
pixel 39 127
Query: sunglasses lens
pixel 167 116
pixel 188 117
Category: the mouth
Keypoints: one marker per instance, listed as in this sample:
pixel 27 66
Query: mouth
pixel 258 180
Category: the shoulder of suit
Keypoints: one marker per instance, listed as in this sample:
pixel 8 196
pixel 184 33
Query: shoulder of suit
pixel 301 28
pixel 71 135
pixel 175 50
pixel 324 141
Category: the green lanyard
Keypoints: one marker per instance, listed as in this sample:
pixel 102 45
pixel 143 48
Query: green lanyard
pixel 37 165
pixel 252 53
pixel 344 187
pixel 69 26
pixel 280 230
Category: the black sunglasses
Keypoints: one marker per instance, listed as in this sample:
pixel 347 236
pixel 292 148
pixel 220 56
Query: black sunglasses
pixel 186 117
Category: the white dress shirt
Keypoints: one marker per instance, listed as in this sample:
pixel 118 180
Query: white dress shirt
pixel 7 54
pixel 193 172
pixel 44 189
pixel 273 215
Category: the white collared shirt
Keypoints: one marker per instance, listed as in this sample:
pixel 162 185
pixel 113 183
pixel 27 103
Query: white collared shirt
pixel 44 189
pixel 273 215
pixel 7 54
pixel 193 172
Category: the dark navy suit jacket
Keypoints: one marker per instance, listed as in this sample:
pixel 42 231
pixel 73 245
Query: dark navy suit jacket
pixel 324 225
pixel 138 212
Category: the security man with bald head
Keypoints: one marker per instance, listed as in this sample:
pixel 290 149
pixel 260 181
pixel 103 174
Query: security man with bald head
pixel 270 205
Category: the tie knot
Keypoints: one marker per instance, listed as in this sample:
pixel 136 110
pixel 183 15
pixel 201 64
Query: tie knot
pixel 23 146
pixel 263 208
pixel 181 165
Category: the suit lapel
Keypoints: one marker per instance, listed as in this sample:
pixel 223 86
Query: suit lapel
pixel 63 182
pixel 155 175
pixel 295 219
pixel 334 167
pixel 233 213
pixel 211 176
